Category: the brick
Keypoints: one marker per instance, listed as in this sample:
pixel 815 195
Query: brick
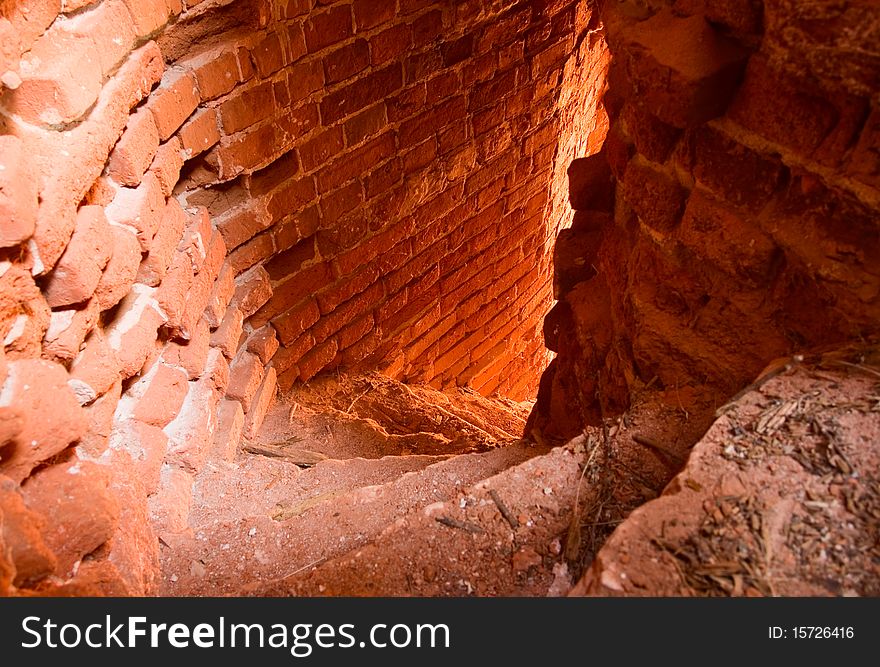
pixel 121 269
pixel 167 164
pixel 320 149
pixel 261 404
pixel 190 355
pixel 27 556
pixel 339 202
pixel 61 79
pixel 78 272
pixel 685 72
pixel 81 513
pixel 248 151
pixel 316 359
pixel 742 16
pixel 199 133
pixel 268 55
pixel 457 50
pixel 329 27
pixel 390 44
pixel 652 137
pixel 259 248
pixel 216 73
pixel 149 16
pixel 135 149
pixel 230 428
pixel 221 296
pixel 365 124
pixel 246 374
pixel 171 226
pixel 226 336
pixel 304 79
pixel 146 446
pixel 427 123
pixel 361 93
pixel 736 173
pixel 173 101
pixel 199 294
pixel 133 331
pixel 18 194
pixel 711 230
pixel 264 343
pixel 247 107
pixel 293 322
pixel 864 162
pixel 67 330
pixel 157 397
pixel 407 103
pixel 52 417
pixel 240 225
pixel 253 289
pixel 99 419
pixel 291 260
pixel 369 14
pixel 95 369
pixel 197 236
pixel 170 505
pixel 172 292
pixel 190 435
pixel 590 184
pixel 346 61
pixel 140 208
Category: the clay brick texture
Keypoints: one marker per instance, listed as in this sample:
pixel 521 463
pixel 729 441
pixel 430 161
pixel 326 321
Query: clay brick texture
pixel 743 211
pixel 204 203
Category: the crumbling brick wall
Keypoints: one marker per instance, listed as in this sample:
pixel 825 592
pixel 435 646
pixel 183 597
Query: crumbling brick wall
pixel 731 217
pixel 205 200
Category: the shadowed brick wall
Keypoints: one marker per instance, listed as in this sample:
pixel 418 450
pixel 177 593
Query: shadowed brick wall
pixel 202 201
pixel 733 214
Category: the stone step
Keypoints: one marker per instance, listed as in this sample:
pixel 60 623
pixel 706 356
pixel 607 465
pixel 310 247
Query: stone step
pixel 282 537
pixel 463 545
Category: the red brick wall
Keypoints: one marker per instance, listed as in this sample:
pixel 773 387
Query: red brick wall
pixel 202 200
pixel 742 161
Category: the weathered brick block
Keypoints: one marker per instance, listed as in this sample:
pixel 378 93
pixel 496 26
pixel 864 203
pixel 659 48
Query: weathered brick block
pixel 346 61
pixel 145 444
pixel 170 505
pixel 21 535
pixel 135 149
pixel 167 164
pixel 247 107
pixel 140 208
pixel 216 72
pixel 171 225
pixel 264 343
pixel 329 27
pixel 712 231
pixel 173 101
pixel 221 296
pixel 736 173
pixel 95 370
pixel 246 374
pixel 191 434
pixel 591 184
pixel 293 322
pixel 99 418
pixel 685 72
pixel 262 402
pixel 61 79
pixel 199 133
pixel 18 194
pixel 133 332
pixel 253 290
pixel 78 272
pixel 191 355
pixel 81 512
pixel 226 336
pixel 361 93
pixel 157 397
pixel 68 329
pixel 51 415
pixel 230 427
pixel 318 358
pixel 121 270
